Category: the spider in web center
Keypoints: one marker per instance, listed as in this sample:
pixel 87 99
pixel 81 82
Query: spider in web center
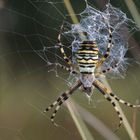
pixel 88 60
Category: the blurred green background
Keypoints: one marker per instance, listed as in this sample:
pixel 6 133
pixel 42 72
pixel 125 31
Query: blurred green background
pixel 26 87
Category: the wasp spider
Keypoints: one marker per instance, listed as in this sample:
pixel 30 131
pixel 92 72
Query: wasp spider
pixel 88 61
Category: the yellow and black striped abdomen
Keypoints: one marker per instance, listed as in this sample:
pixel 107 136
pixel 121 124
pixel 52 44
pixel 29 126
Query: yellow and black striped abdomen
pixel 87 57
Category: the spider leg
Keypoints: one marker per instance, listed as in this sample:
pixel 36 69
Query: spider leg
pixel 60 45
pixel 65 97
pixel 122 101
pixel 66 68
pixel 103 90
pixel 109 92
pixel 53 104
pixel 106 70
pixel 104 57
pixel 61 99
pixel 109 69
pixel 116 109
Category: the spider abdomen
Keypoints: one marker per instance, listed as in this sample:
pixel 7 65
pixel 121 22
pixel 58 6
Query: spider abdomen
pixel 87 57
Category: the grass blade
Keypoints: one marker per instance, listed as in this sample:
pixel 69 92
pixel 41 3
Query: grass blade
pixel 83 130
pixel 133 10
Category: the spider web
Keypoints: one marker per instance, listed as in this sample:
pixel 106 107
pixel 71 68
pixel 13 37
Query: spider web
pixel 29 31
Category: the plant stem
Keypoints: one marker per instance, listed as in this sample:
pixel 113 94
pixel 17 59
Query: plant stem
pixel 133 10
pixel 83 130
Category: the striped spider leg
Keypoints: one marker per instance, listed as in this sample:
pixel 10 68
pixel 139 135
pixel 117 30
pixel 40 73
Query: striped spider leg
pixel 71 70
pixel 103 71
pixel 105 56
pixel 109 46
pixel 108 94
pixel 60 45
pixel 61 99
pixel 67 60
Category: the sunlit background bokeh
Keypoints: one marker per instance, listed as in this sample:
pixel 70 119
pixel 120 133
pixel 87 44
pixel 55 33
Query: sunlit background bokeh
pixel 27 88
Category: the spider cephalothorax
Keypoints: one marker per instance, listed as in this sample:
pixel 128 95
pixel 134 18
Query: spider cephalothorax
pixel 87 83
pixel 88 61
pixel 87 80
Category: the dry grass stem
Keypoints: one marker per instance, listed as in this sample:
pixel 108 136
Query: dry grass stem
pixel 94 122
pixel 134 118
pixel 83 130
pixel 133 10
